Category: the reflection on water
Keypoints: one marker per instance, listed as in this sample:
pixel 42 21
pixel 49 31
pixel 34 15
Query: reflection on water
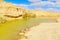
pixel 36 21
pixel 42 20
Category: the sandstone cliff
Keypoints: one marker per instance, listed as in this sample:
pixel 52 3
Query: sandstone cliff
pixel 10 11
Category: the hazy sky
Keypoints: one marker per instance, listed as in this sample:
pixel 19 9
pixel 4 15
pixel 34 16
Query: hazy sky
pixel 49 5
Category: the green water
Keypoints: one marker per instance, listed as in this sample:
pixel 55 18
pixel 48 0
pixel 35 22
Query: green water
pixel 10 30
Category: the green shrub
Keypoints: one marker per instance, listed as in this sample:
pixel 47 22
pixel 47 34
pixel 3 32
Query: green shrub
pixel 28 16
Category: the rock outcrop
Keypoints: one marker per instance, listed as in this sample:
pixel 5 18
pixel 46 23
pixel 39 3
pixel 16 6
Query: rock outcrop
pixel 9 11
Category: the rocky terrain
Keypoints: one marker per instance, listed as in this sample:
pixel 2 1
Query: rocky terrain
pixel 9 11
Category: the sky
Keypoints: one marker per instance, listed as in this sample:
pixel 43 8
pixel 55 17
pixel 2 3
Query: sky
pixel 48 5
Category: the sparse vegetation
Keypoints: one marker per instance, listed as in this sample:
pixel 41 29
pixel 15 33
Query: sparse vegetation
pixel 28 16
pixel 2 20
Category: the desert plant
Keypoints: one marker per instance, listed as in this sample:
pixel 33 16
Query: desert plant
pixel 28 16
pixel 2 20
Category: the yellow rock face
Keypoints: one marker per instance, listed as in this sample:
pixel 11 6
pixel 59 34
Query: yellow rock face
pixel 10 9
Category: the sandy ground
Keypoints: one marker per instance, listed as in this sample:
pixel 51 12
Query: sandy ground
pixel 44 31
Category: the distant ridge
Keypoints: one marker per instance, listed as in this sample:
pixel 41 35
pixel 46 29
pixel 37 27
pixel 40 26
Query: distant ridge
pixel 10 9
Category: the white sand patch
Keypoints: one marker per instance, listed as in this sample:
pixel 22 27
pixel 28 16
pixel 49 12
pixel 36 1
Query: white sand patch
pixel 44 31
